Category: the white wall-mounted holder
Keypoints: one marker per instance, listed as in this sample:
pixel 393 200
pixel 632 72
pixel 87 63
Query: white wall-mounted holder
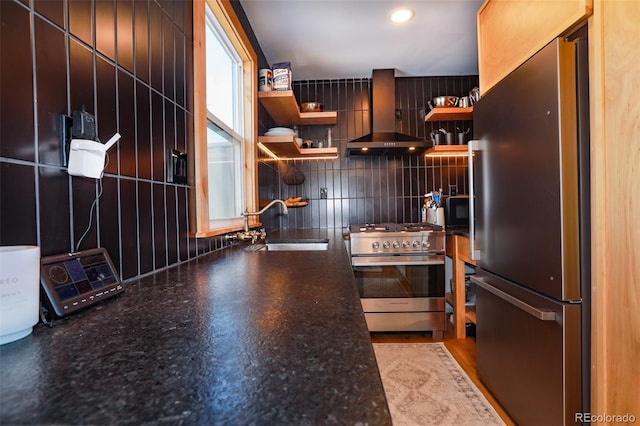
pixel 19 291
pixel 86 157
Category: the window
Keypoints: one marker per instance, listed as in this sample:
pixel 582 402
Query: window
pixel 224 124
pixel 224 120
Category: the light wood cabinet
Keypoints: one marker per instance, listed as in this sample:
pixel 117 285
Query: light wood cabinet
pixel 457 248
pixel 511 31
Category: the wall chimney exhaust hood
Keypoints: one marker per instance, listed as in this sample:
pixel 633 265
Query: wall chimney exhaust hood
pixel 384 140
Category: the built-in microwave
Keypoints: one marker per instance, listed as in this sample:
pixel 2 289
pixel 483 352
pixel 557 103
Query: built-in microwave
pixel 456 211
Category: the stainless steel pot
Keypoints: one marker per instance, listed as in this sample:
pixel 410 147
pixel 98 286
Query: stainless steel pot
pixel 443 101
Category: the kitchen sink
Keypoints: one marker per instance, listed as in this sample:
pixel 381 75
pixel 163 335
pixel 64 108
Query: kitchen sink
pixel 305 244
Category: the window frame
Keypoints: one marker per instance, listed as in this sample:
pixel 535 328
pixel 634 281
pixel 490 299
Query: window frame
pixel 199 211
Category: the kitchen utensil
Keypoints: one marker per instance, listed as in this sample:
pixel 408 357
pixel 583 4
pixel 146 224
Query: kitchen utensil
pixel 311 107
pixel 474 95
pixel 449 138
pixel 436 137
pixel 293 176
pixel 443 101
pixel 462 138
pixel 464 102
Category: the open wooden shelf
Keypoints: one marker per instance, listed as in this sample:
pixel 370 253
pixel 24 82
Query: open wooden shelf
pixel 285 147
pixel 470 314
pixel 449 114
pixel 446 150
pixel 284 110
pixel 470 311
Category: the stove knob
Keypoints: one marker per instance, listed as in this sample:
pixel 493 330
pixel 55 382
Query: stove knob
pixel 406 244
pixel 426 244
pixel 375 245
pixel 385 244
pixel 416 244
pixel 395 245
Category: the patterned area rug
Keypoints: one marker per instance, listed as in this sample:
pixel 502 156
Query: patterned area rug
pixel 425 385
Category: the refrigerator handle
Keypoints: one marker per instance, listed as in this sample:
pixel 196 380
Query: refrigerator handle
pixel 474 145
pixel 541 314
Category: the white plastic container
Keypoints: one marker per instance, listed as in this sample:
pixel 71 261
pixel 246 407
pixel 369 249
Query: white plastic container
pixel 87 157
pixel 19 291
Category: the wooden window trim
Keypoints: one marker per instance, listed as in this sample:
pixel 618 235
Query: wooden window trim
pixel 199 199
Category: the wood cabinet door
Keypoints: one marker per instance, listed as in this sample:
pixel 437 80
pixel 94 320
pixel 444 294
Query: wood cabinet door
pixel 511 31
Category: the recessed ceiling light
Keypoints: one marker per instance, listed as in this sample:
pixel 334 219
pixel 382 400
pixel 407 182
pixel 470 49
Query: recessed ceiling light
pixel 401 15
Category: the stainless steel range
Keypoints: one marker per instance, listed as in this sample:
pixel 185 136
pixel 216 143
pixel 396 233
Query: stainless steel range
pixel 399 271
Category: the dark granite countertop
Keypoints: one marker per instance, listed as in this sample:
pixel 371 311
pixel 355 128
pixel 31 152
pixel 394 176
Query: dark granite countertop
pixel 234 337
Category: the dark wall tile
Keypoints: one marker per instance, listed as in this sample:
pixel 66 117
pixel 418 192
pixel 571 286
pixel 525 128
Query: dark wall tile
pixel 81 77
pixel 126 124
pixel 18 212
pixel 169 125
pixel 155 46
pixel 180 80
pixel 81 20
pixel 105 28
pixel 84 193
pixel 189 84
pixel 51 80
pixel 110 220
pixel 53 187
pixel 129 227
pixel 181 142
pixel 183 223
pixel 172 224
pixel 157 136
pixel 124 33
pixel 141 29
pixel 16 84
pixel 159 227
pixel 52 10
pixel 145 224
pixel 168 57
pixel 143 130
pixel 107 113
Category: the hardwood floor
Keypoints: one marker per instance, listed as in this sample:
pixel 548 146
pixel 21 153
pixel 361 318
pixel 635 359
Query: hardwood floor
pixel 463 350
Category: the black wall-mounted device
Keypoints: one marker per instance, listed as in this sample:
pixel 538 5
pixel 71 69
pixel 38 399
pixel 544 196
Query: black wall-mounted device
pixel 176 166
pixel 80 125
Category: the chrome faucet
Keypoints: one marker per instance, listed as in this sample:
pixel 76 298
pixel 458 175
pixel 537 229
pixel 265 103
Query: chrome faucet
pixel 253 235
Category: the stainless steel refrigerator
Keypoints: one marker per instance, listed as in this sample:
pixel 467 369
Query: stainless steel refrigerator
pixel 530 177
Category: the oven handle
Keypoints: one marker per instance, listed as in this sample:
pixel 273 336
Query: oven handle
pixel 541 314
pixel 404 261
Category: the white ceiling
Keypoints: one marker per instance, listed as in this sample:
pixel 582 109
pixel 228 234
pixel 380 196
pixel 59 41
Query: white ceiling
pixel 330 39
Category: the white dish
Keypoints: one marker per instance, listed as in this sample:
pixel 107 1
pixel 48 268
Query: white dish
pixel 280 130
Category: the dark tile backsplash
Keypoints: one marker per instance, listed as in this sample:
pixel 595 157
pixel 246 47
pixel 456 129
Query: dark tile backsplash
pixel 368 189
pixel 129 63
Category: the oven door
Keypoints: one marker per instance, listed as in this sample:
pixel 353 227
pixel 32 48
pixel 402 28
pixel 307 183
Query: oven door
pixel 402 297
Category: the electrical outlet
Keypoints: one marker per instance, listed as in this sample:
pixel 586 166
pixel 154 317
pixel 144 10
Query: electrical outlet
pixel 323 193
